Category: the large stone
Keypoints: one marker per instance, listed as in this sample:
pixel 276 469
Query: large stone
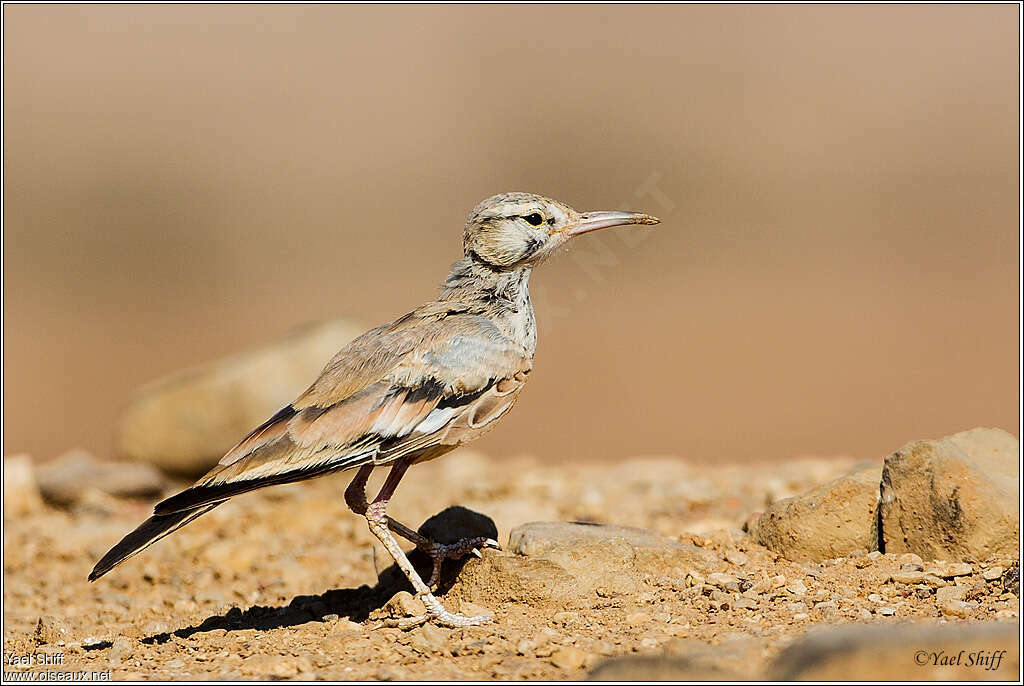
pixel 607 556
pixel 830 521
pixel 21 494
pixel 185 422
pixel 68 479
pixel 903 653
pixel 954 497
pixel 566 564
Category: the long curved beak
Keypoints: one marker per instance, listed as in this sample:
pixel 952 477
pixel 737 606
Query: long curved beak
pixel 592 221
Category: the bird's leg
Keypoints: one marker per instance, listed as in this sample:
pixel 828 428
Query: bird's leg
pixel 355 496
pixel 376 517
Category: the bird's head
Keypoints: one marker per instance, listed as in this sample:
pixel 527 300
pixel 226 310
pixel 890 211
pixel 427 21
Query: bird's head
pixel 521 230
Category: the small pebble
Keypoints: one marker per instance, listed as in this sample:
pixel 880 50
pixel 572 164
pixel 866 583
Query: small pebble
pixel 638 618
pixel 724 581
pixel 887 611
pixel 797 588
pixel 957 608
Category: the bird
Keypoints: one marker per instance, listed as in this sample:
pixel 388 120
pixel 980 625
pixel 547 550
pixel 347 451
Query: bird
pixel 405 392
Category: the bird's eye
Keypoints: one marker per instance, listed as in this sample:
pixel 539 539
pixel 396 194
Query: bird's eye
pixel 535 219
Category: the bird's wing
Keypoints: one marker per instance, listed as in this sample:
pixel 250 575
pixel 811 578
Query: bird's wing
pixel 430 380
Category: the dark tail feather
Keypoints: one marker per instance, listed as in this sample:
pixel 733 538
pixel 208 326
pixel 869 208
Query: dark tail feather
pixel 147 533
pixel 200 495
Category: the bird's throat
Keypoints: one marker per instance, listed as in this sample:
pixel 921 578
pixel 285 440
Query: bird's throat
pixel 501 296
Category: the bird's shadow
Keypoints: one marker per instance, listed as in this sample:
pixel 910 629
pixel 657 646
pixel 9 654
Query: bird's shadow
pixel 447 526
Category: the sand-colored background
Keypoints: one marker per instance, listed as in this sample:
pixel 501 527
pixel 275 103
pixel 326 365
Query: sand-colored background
pixel 836 272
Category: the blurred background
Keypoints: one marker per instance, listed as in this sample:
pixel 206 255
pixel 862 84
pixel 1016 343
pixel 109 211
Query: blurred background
pixel 836 271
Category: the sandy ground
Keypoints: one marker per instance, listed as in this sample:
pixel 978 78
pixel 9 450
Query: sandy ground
pixel 288 583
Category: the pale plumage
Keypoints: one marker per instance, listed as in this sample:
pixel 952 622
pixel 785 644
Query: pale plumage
pixel 408 391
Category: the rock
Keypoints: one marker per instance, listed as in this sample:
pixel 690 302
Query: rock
pixel 908 577
pixel 948 593
pixel 185 422
pixel 797 587
pixel 1011 580
pixel 736 557
pixel 833 520
pixel 569 658
pixel 887 611
pixel 276 666
pixel 50 630
pixel 686 659
pixel 404 604
pixel 957 608
pixel 120 649
pixel 948 571
pixel 643 668
pixel 901 652
pixel 954 497
pixel 563 563
pixel 72 477
pixel 21 494
pixel 993 573
pixel 541 538
pixel 504 578
pixel 726 582
pixel 428 639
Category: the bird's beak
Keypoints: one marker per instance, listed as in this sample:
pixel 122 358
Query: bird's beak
pixel 592 221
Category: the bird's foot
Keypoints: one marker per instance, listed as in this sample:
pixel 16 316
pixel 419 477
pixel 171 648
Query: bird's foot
pixel 437 614
pixel 439 552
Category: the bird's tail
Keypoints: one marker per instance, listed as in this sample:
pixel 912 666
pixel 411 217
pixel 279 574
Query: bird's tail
pixel 145 535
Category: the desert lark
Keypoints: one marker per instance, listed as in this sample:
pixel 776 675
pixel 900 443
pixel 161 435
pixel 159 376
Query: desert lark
pixel 405 392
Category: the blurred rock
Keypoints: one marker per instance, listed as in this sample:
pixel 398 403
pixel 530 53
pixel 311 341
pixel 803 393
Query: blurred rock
pixel 185 422
pixel 830 521
pixel 953 498
pixel 569 658
pixel 69 479
pixel 904 652
pixel 21 493
pixel 658 668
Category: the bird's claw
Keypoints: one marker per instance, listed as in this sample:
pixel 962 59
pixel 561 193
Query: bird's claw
pixel 439 552
pixel 437 614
